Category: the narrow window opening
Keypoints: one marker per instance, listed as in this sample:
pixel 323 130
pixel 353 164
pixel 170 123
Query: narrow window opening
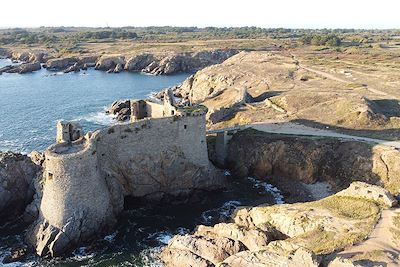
pixel 185 126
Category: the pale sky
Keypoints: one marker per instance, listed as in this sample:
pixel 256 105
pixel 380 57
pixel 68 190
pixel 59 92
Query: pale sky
pixel 220 13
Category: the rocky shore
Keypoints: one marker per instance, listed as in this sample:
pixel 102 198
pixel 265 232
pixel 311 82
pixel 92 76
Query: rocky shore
pixel 301 234
pixel 157 64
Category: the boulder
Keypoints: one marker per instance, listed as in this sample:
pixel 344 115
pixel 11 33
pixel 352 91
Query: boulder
pixel 253 239
pixel 265 258
pixel 213 250
pixel 371 192
pixel 118 105
pixel 17 175
pixel 109 62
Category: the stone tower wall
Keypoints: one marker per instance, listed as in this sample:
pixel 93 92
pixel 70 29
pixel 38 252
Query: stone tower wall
pixel 73 184
pixel 86 180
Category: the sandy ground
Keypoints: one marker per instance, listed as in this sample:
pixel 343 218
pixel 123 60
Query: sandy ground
pixel 380 239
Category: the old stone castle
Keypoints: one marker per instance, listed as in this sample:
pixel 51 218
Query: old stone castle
pixel 161 151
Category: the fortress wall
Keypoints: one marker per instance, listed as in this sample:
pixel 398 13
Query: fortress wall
pixel 73 184
pixel 154 110
pixel 133 154
pixel 86 181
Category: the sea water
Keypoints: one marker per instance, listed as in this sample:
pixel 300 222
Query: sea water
pixel 32 103
pixel 30 106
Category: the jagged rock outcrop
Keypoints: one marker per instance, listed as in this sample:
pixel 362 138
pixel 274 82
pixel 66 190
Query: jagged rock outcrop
pixel 108 62
pixel 139 62
pixel 313 159
pixel 68 64
pixel 60 63
pixel 30 56
pixel 120 108
pixel 17 176
pixel 174 63
pixel 24 68
pixel 280 235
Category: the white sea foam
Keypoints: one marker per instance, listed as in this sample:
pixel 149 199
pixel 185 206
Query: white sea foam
pixel 110 238
pixel 82 254
pixel 227 173
pixel 224 212
pixel 275 192
pixel 100 118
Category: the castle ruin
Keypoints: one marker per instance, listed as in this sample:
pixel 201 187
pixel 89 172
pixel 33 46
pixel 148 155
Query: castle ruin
pixel 161 151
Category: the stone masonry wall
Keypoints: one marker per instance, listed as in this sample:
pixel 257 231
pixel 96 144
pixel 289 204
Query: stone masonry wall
pixel 87 180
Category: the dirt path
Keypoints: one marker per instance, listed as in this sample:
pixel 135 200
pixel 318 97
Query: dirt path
pixel 298 129
pixel 333 77
pixel 380 239
pixel 284 127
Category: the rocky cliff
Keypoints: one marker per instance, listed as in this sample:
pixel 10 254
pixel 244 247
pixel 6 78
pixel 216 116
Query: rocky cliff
pixel 309 160
pixel 280 235
pixel 17 176
pixel 152 63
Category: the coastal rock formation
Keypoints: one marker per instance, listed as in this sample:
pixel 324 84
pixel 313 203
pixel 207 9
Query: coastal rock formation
pixel 161 153
pixel 280 235
pixel 25 68
pixel 139 62
pixel 120 108
pixel 68 64
pixel 310 160
pixel 17 175
pixel 5 53
pixel 108 62
pixel 174 63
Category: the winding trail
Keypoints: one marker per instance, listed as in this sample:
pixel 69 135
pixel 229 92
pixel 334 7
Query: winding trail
pixel 380 239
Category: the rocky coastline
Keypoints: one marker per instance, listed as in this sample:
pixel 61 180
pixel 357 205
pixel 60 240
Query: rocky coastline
pixel 150 63
pixel 265 234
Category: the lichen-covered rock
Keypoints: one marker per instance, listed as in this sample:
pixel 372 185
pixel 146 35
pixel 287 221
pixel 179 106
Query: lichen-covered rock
pixel 281 235
pixel 253 239
pixel 213 250
pixel 371 192
pixel 17 175
pixel 300 257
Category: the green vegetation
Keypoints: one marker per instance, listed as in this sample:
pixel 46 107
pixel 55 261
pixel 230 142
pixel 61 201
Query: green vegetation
pixel 316 39
pixel 349 207
pixel 51 35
